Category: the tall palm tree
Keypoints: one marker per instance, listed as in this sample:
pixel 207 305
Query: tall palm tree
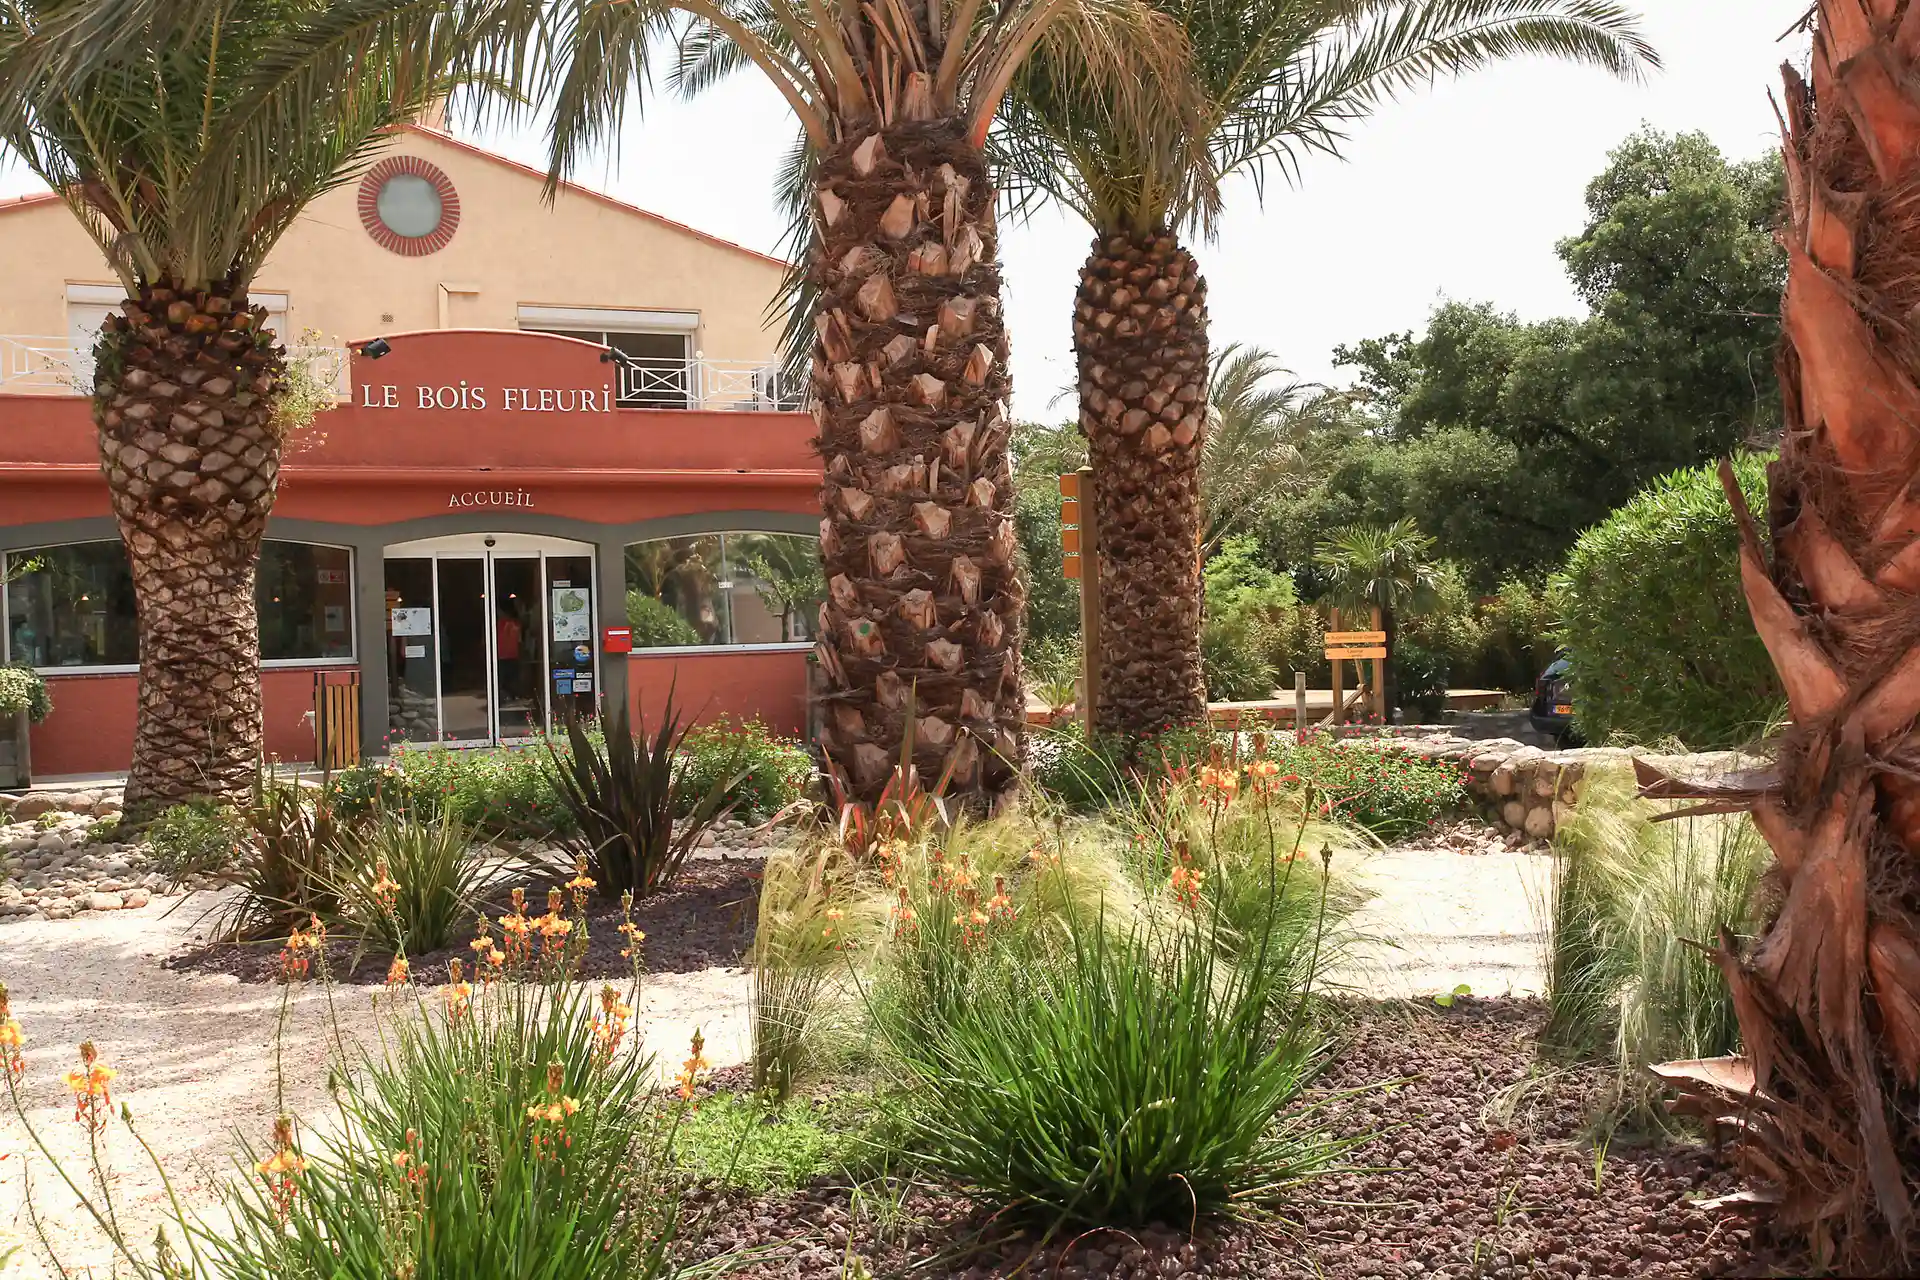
pixel 1390 569
pixel 1280 78
pixel 1829 997
pixel 1251 452
pixel 909 372
pixel 186 136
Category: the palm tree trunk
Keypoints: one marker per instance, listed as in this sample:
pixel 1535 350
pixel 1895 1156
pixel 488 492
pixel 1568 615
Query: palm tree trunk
pixel 1829 997
pixel 1140 335
pixel 186 387
pixel 924 606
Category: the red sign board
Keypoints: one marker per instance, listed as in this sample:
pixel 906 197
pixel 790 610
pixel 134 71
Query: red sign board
pixel 617 640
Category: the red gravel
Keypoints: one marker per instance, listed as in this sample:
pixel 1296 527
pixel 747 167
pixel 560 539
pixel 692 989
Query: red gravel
pixel 1451 1184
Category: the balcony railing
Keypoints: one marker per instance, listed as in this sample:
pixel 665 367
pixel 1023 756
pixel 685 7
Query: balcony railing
pixel 53 365
pixel 701 383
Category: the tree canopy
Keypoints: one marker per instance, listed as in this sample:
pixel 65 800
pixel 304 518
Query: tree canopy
pixel 1504 439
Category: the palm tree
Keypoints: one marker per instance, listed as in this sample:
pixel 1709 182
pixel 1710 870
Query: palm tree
pixel 909 372
pixel 1251 451
pixel 1280 78
pixel 1390 569
pixel 187 136
pixel 1829 997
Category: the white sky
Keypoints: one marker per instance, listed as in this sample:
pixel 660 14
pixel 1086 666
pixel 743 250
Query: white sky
pixel 1459 191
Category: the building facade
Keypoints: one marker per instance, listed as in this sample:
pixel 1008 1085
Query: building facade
pixel 566 472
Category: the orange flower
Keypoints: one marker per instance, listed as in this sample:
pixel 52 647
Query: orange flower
pixel 386 891
pixel 92 1099
pixel 398 972
pixel 10 1038
pixel 550 1117
pixel 1186 885
pixel 696 1063
pixel 905 918
pixel 962 877
pixel 1000 906
pixel 458 993
pixel 294 960
pixel 1224 783
pixel 611 1027
pixel 282 1168
pixel 581 885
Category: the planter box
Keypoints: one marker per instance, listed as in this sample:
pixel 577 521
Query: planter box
pixel 16 757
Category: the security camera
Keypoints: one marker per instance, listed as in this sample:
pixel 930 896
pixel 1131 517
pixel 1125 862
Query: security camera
pixel 376 348
pixel 491 541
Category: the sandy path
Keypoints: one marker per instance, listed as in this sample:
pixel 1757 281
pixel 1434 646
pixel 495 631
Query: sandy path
pixel 1440 917
pixel 195 1054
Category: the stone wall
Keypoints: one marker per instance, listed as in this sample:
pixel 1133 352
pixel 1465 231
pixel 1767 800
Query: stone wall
pixel 1531 790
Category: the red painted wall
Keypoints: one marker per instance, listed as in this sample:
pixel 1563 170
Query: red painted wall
pixel 771 684
pixel 369 464
pixel 91 728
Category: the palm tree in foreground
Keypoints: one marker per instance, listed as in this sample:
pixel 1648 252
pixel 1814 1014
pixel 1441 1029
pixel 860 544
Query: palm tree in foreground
pixel 1279 78
pixel 1391 569
pixel 909 375
pixel 1829 997
pixel 187 137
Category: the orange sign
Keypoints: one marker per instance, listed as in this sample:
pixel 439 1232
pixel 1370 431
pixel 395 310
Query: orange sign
pixel 1070 564
pixel 1070 485
pixel 1356 637
pixel 1070 539
pixel 1374 651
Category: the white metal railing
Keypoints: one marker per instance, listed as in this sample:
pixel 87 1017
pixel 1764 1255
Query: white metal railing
pixel 36 364
pixel 700 383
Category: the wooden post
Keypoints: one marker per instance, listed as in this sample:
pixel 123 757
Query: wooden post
pixel 1299 706
pixel 1082 560
pixel 1339 692
pixel 1379 678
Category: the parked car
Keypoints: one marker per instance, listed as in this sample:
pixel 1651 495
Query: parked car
pixel 1552 710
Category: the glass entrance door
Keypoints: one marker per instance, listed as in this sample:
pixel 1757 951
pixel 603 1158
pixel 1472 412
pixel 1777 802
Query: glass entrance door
pixel 488 646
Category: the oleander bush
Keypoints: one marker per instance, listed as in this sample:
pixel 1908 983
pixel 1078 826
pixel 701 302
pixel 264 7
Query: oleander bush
pixel 1655 622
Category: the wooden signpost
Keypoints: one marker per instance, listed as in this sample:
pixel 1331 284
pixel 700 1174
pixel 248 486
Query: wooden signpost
pixel 1078 539
pixel 1358 647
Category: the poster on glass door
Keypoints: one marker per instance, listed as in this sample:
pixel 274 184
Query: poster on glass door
pixel 571 618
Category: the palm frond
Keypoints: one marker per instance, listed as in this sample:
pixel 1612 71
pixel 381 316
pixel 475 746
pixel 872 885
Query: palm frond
pixel 1257 420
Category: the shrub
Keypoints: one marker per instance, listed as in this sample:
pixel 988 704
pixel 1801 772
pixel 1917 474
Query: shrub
pixel 1233 651
pixel 493 794
pixel 1517 640
pixel 23 689
pixel 776 769
pixel 1387 791
pixel 1422 675
pixel 1136 1077
pixel 657 624
pixel 291 843
pixel 749 1146
pixel 1623 985
pixel 1081 776
pixel 409 884
pixel 195 838
pixel 1655 623
pixel 625 793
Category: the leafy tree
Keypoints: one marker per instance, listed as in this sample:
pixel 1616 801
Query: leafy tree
pixel 1251 454
pixel 1505 439
pixel 1274 80
pixel 186 137
pixel 786 573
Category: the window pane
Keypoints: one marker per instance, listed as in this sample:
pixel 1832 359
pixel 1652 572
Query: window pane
pixel 305 597
pixel 777 587
pixel 75 610
pixel 656 374
pixel 673 592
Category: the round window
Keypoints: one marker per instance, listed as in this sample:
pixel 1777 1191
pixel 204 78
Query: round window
pixel 409 205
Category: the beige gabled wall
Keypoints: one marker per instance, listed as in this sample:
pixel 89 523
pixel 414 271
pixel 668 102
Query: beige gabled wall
pixel 510 249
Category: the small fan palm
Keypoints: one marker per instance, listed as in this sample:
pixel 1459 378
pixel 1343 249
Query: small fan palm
pixel 1251 453
pixel 1389 568
pixel 1279 79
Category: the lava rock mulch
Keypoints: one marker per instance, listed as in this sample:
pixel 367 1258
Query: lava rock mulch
pixel 704 920
pixel 1463 1176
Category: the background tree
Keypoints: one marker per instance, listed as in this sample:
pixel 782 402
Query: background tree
pixel 786 573
pixel 1368 567
pixel 1505 439
pixel 908 378
pixel 1252 450
pixel 1829 997
pixel 1278 78
pixel 186 137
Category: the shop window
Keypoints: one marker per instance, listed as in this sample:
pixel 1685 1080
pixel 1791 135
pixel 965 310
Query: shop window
pixel 72 606
pixel 733 589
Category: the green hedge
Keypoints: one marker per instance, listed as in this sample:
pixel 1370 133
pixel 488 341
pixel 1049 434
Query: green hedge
pixel 1655 622
pixel 22 689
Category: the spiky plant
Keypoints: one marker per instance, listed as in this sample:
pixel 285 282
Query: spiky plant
pixel 1278 79
pixel 187 136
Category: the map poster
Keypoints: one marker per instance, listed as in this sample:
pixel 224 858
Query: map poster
pixel 571 619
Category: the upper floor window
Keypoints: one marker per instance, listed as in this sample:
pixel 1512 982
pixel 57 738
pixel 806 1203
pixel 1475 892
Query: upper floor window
pixel 655 349
pixel 72 606
pixel 723 589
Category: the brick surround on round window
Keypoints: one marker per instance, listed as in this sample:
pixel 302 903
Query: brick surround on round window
pixel 409 166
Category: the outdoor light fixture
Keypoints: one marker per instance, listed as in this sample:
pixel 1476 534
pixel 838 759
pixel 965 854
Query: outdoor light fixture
pixel 376 348
pixel 614 355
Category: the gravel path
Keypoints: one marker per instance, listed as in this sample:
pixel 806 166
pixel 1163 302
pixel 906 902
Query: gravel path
pixel 195 1055
pixel 1441 916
